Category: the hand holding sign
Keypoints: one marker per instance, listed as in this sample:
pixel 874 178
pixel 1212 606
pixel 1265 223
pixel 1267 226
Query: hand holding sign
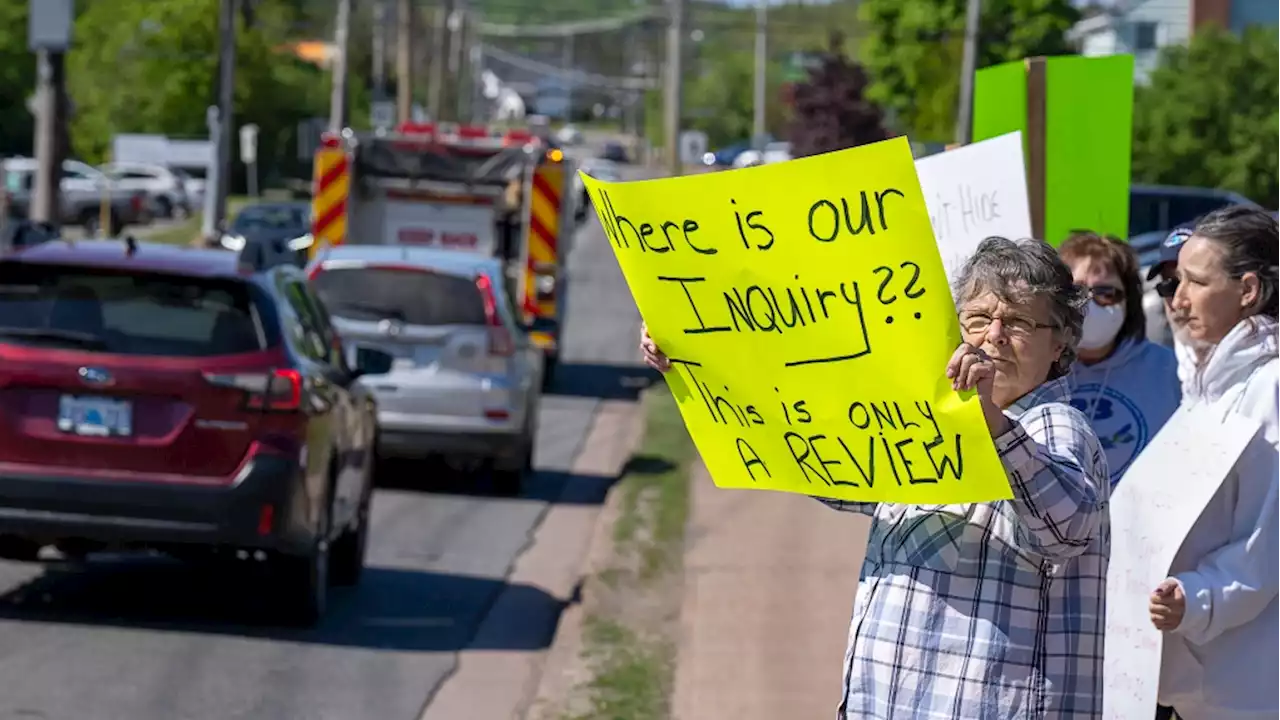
pixel 807 316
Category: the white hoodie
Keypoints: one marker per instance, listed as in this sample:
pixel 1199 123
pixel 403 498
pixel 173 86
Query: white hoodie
pixel 1222 660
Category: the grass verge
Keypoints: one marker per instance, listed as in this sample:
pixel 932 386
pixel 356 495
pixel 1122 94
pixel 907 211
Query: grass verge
pixel 628 635
pixel 185 231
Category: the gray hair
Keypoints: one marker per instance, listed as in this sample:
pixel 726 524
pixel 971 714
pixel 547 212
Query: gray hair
pixel 1018 271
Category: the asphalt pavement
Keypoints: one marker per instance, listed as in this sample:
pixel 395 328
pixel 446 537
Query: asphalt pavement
pixel 143 638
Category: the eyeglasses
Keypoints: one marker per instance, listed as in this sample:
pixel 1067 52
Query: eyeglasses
pixel 976 323
pixel 1104 295
pixel 1167 287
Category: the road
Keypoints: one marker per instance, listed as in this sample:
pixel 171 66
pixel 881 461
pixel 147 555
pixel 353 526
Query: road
pixel 149 639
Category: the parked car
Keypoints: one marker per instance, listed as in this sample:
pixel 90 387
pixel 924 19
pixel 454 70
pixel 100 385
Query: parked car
pixel 776 152
pixel 1159 208
pixel 569 135
pixel 466 381
pixel 165 189
pixel 82 189
pixel 615 152
pixel 181 400
pixel 725 156
pixel 286 224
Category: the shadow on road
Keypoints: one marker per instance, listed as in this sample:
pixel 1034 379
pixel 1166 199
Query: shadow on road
pixel 391 609
pixel 604 382
pixel 550 486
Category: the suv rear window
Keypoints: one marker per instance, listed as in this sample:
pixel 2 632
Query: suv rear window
pixel 410 296
pixel 125 313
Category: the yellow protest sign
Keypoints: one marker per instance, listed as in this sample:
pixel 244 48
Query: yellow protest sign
pixel 807 313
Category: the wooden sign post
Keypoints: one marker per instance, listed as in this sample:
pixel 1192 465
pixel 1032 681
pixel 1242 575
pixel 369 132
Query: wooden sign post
pixel 1037 112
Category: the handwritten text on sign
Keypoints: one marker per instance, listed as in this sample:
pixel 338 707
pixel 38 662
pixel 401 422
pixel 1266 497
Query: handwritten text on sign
pixel 807 312
pixel 975 192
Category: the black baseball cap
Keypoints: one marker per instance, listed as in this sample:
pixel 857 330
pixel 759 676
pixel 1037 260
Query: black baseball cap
pixel 1169 249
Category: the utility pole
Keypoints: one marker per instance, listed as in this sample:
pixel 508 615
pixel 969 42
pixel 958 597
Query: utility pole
pixel 46 199
pixel 404 60
pixel 439 58
pixel 463 39
pixel 49 26
pixel 379 50
pixel 219 186
pixel 455 22
pixel 566 61
pixel 762 60
pixel 338 96
pixel 673 104
pixel 968 67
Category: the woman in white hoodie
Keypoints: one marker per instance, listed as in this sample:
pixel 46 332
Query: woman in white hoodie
pixel 1218 609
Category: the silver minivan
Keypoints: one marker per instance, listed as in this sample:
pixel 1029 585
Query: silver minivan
pixel 466 381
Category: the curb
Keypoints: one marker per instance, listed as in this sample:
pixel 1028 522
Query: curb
pixel 564 670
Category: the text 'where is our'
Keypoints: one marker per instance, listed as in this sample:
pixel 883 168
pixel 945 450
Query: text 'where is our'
pixel 819 296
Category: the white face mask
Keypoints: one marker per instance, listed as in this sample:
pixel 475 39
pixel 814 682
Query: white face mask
pixel 1101 324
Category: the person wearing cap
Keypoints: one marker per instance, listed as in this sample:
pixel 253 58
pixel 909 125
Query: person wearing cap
pixel 1126 385
pixel 1218 607
pixel 1187 349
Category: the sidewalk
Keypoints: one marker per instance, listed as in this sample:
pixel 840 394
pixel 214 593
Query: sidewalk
pixel 769 585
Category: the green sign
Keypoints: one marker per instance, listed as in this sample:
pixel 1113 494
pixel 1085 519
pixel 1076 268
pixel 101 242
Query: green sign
pixel 1088 136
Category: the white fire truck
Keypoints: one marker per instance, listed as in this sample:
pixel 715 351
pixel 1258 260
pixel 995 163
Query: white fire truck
pixel 464 188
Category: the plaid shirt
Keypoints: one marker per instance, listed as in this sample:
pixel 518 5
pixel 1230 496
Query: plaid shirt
pixel 990 611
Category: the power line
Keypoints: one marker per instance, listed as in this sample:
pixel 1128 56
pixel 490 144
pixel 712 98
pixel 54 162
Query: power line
pixel 579 77
pixel 561 30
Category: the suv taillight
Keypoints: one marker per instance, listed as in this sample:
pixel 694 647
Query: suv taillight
pixel 279 390
pixel 500 341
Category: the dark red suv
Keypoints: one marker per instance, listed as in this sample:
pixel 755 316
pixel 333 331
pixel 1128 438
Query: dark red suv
pixel 181 400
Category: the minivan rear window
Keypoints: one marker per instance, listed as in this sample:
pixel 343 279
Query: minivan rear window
pixel 416 297
pixel 127 313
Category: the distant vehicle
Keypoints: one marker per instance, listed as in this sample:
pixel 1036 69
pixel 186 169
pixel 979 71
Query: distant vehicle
pixel 165 189
pixel 724 157
pixel 1159 208
pixel 466 380
pixel 503 194
pixel 598 169
pixel 616 152
pixel 82 190
pixel 287 224
pixel 569 135
pixel 748 158
pixel 186 401
pixel 776 152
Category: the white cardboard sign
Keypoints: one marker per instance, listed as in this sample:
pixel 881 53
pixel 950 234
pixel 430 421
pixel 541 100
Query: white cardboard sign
pixel 1152 509
pixel 975 192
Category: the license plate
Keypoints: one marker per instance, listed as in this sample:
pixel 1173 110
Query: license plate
pixel 95 417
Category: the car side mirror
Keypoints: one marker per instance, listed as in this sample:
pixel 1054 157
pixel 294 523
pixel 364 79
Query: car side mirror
pixel 370 361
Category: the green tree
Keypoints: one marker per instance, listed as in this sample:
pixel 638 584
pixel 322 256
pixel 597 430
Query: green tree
pixel 913 47
pixel 152 68
pixel 1209 115
pixel 720 97
pixel 17 80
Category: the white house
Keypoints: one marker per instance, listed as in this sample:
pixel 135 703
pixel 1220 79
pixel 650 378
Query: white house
pixel 1141 27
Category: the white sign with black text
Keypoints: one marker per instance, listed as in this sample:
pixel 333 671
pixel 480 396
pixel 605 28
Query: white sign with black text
pixel 1152 509
pixel 974 192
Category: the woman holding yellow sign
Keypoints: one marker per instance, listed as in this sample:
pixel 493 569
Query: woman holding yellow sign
pixel 997 609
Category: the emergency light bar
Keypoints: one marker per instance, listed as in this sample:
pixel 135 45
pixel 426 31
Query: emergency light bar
pixel 472 135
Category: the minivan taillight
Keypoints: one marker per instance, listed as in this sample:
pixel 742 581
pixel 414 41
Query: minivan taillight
pixel 500 341
pixel 279 390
